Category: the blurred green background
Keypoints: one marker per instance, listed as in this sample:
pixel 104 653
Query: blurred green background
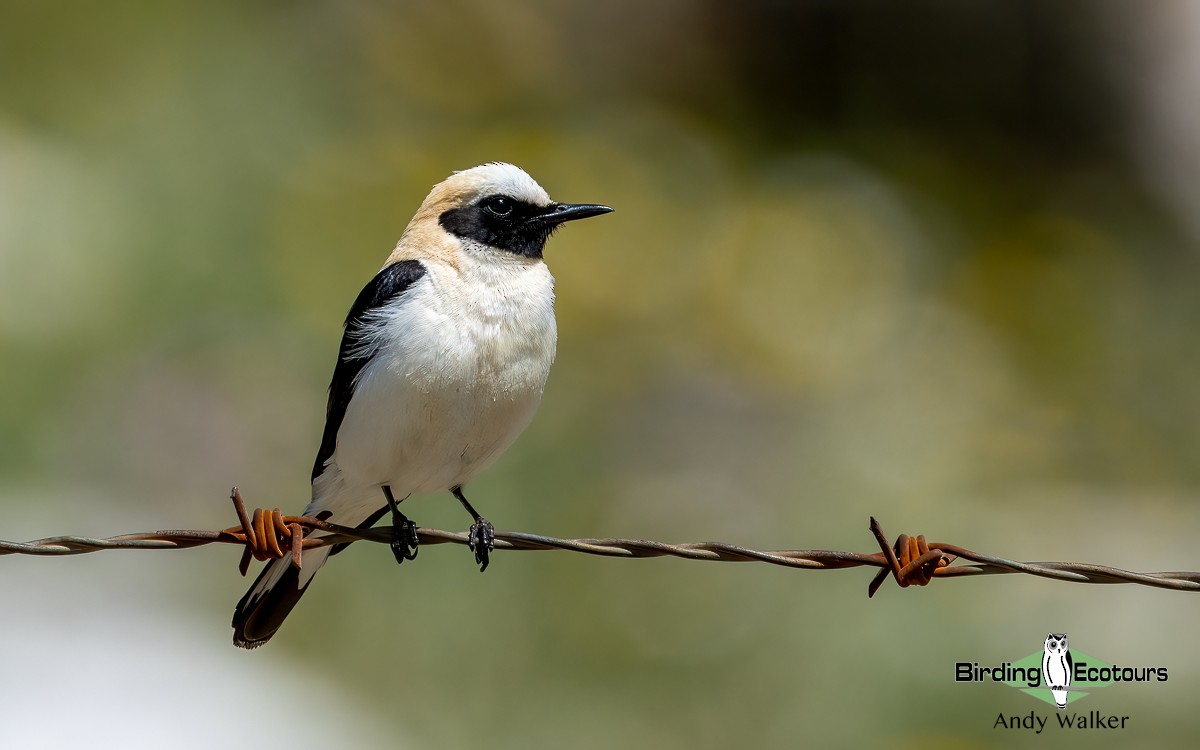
pixel 931 261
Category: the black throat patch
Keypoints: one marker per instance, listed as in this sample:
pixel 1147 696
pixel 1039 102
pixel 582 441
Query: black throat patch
pixel 521 230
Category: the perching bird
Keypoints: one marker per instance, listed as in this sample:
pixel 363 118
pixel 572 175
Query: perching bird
pixel 442 364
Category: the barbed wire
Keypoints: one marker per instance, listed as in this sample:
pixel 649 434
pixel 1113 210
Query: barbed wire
pixel 910 561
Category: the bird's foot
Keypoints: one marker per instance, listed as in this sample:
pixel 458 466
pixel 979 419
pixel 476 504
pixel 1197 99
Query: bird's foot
pixel 482 540
pixel 404 537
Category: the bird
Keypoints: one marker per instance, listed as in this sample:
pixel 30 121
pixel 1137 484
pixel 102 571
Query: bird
pixel 443 360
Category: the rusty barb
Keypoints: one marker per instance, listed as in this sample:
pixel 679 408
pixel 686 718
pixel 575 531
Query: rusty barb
pixel 270 535
pixel 910 562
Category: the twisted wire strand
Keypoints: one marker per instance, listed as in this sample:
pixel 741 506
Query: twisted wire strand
pixel 911 562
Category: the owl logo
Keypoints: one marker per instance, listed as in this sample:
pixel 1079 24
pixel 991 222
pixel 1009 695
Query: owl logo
pixel 1057 667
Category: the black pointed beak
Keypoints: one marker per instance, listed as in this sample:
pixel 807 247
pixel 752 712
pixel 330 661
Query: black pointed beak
pixel 561 212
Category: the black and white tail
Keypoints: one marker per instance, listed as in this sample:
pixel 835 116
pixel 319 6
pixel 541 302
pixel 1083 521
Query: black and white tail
pixel 275 592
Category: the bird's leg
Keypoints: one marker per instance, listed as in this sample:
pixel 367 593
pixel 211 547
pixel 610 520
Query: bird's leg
pixel 404 531
pixel 482 536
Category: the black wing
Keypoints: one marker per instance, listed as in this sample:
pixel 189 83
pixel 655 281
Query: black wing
pixel 387 285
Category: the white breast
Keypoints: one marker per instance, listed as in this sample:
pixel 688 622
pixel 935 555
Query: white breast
pixel 461 360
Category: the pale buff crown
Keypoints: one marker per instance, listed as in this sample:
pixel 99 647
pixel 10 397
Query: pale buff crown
pixel 424 237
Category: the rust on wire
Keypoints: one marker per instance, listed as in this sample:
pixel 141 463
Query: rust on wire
pixel 266 535
pixel 911 562
pixel 265 532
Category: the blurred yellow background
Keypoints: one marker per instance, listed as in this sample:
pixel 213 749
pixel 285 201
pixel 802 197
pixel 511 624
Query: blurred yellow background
pixel 935 262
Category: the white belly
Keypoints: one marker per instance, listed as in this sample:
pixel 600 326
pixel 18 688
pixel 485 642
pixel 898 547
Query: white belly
pixel 455 379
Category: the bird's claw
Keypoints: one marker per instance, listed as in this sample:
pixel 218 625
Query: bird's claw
pixel 482 540
pixel 404 538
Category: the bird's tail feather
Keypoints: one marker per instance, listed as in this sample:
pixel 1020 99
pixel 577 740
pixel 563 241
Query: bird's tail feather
pixel 279 587
pixel 275 592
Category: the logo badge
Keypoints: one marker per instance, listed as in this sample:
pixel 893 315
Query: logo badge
pixel 1058 675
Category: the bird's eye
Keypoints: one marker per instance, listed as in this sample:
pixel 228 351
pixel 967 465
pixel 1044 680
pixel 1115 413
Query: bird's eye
pixel 499 205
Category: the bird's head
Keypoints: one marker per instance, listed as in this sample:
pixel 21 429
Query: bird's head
pixel 499 206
